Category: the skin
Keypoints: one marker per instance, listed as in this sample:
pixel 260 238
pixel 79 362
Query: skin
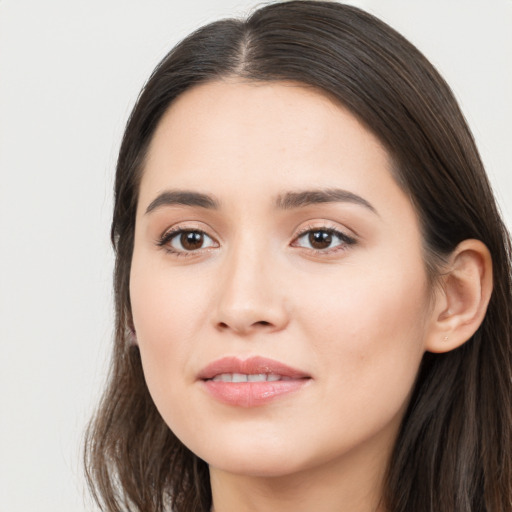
pixel 355 317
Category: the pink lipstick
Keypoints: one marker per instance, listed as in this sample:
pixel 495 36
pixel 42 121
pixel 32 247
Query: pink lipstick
pixel 251 382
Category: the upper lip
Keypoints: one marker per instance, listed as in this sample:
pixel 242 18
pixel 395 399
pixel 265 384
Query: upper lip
pixel 250 366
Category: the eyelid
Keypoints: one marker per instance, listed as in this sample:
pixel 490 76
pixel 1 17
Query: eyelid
pixel 163 241
pixel 347 240
pixel 188 225
pixel 326 225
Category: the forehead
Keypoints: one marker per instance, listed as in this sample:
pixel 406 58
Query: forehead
pixel 258 131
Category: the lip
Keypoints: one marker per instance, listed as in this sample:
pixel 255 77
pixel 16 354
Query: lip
pixel 251 394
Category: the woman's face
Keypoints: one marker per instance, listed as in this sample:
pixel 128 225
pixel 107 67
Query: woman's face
pixel 272 241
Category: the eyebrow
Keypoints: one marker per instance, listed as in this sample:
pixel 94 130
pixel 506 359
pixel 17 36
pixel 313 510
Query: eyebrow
pixel 287 201
pixel 183 197
pixel 292 200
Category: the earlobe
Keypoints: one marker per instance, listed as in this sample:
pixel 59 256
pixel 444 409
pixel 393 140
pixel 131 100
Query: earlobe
pixel 462 297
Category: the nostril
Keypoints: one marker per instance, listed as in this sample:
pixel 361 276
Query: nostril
pixel 226 325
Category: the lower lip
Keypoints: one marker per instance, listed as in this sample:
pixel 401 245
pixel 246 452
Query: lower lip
pixel 252 394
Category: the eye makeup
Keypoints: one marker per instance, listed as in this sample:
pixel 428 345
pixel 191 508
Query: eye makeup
pixel 319 240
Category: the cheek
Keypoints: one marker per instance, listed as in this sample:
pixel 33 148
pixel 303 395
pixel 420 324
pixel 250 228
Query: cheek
pixel 168 312
pixel 369 335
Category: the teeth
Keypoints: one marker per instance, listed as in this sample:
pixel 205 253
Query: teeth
pixel 242 377
pixel 260 377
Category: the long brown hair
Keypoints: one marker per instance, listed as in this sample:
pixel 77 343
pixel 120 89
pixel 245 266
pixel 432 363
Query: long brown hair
pixel 454 450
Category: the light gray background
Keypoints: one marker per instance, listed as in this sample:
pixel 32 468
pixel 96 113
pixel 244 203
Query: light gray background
pixel 70 71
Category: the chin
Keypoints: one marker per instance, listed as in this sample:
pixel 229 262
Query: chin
pixel 267 456
pixel 267 466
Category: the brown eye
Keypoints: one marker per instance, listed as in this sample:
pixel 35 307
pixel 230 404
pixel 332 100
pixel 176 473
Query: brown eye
pixel 323 240
pixel 191 240
pixel 186 240
pixel 320 239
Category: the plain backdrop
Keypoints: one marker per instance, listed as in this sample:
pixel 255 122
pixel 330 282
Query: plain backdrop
pixel 70 71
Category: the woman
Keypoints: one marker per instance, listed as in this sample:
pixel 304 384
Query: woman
pixel 313 283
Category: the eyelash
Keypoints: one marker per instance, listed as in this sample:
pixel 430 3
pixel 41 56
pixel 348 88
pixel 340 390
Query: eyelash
pixel 345 240
pixel 170 235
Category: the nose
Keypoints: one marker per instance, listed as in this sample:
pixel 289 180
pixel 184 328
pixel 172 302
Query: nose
pixel 250 296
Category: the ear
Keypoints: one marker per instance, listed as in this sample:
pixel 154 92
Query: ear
pixel 461 298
